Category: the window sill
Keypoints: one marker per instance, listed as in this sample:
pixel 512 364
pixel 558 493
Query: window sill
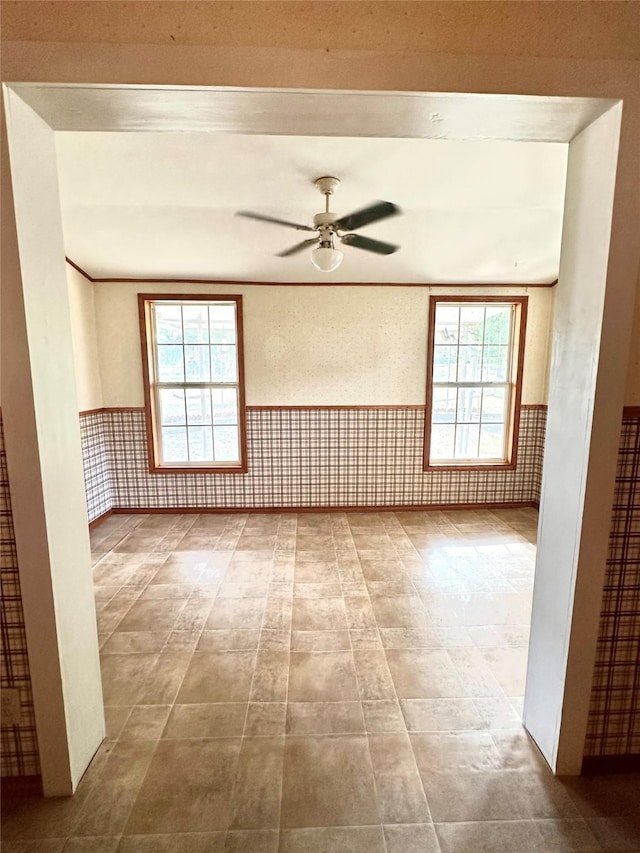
pixel 198 469
pixel 471 466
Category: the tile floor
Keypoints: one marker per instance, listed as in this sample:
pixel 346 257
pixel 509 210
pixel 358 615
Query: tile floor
pixel 336 682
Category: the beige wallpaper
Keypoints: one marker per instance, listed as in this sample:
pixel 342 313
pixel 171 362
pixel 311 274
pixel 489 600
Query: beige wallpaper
pixel 314 345
pixel 84 339
pixel 632 393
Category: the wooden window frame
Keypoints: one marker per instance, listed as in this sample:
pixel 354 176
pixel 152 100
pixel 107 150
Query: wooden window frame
pixel 145 301
pixel 515 382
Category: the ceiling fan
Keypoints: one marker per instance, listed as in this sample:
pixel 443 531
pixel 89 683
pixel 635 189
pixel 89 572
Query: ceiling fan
pixel 325 256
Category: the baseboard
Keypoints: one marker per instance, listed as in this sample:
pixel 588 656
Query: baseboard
pixel 21 786
pixel 181 510
pixel 594 765
pixel 101 518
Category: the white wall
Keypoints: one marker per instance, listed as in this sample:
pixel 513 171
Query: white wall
pixel 84 339
pixel 315 345
pixel 44 459
pixel 583 428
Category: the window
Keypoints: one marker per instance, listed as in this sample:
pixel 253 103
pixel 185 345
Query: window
pixel 474 377
pixel 194 384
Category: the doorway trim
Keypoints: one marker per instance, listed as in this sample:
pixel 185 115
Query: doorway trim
pixel 41 423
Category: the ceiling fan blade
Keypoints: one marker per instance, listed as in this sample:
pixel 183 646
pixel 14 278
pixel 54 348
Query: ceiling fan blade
pixel 369 245
pixel 379 210
pixel 262 218
pixel 297 248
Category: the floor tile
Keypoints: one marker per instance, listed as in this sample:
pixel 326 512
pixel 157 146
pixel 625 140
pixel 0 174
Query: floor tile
pixel 322 677
pixel 188 787
pixel 399 790
pixel 353 839
pixel 192 842
pixel 372 673
pixel 617 834
pixel 217 677
pixel 332 681
pixel 151 615
pixel 243 613
pixel 95 844
pixel 454 752
pixel 411 838
pixel 206 720
pixel 265 719
pixel 424 674
pixel 471 796
pixel 489 836
pixel 251 841
pixel 399 611
pixel 441 715
pixel 270 676
pixel 310 718
pixel 123 677
pixel 255 802
pixel 107 806
pixel 135 642
pixel 320 641
pixel 229 639
pixel 328 781
pixel 561 836
pixel 145 722
pixel 383 715
pixel 324 614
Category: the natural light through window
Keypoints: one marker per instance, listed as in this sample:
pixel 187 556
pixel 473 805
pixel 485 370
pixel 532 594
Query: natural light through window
pixel 193 359
pixel 473 371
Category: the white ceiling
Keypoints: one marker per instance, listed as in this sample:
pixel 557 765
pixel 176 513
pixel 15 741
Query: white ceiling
pixel 161 205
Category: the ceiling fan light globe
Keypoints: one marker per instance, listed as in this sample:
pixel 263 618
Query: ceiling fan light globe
pixel 326 259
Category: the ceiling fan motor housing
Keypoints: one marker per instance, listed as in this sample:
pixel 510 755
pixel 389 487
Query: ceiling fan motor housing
pixel 324 220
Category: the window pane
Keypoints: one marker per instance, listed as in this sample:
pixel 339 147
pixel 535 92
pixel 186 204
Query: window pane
pixel 443 407
pixel 197 362
pixel 467 437
pixel 493 405
pixel 200 444
pixel 497 324
pixel 471 324
pixel 442 441
pixel 224 364
pixel 222 319
pixel 168 323
pixel 492 441
pixel 469 364
pixel 170 364
pixel 225 406
pixel 446 330
pixel 196 324
pixel 172 406
pixel 226 444
pixel 496 364
pixel 444 363
pixel 174 444
pixel 469 404
pixel 198 406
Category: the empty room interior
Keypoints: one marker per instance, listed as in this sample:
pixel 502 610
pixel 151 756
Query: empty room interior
pixel 321 415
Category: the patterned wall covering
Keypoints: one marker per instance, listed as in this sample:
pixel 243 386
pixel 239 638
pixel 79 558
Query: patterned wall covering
pixel 19 746
pixel 614 716
pixel 305 458
pixel 94 429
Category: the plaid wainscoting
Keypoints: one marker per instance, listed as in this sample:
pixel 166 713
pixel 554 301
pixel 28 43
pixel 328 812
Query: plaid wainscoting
pixel 305 458
pixel 95 455
pixel 614 716
pixel 19 745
